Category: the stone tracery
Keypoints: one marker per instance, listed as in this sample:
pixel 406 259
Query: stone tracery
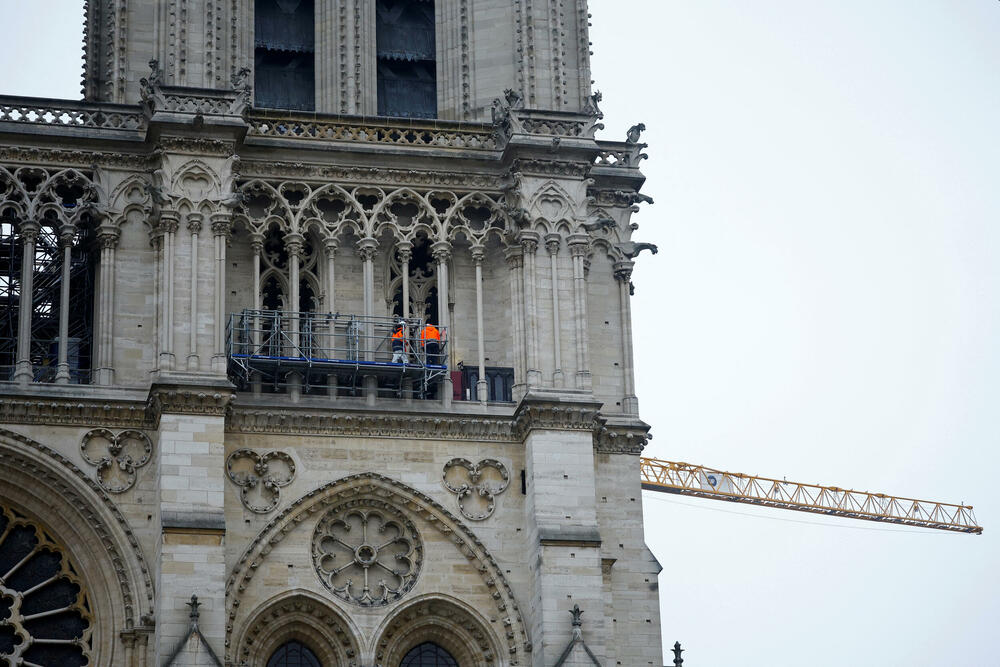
pixel 367 552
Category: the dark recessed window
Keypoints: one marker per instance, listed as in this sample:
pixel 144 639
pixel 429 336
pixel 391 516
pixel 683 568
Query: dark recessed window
pixel 293 654
pixel 284 54
pixel 428 654
pixel 407 67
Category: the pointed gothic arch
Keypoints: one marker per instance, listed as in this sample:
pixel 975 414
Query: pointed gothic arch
pixel 97 538
pixel 515 640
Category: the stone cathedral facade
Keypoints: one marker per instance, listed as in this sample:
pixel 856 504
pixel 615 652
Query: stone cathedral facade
pixel 228 435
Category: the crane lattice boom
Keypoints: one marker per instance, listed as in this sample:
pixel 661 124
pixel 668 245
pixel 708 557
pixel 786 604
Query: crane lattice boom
pixel 694 480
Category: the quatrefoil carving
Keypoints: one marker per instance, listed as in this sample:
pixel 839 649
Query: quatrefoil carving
pixel 476 485
pixel 260 477
pixel 117 456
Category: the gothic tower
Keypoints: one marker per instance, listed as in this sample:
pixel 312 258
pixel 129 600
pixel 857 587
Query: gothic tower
pixel 316 344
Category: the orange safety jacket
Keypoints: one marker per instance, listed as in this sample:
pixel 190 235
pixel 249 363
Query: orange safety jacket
pixel 429 332
pixel 398 338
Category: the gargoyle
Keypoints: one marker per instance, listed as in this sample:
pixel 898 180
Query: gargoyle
pixel 631 249
pixel 634 132
pixel 598 223
pixel 234 200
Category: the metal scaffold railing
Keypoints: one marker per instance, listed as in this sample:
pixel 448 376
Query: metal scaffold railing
pixel 334 351
pixel 699 481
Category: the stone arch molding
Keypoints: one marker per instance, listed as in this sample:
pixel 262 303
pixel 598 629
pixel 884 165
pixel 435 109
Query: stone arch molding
pixel 298 615
pixel 514 638
pixel 441 619
pixel 45 484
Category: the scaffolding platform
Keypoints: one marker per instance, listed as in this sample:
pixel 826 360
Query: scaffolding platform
pixel 273 349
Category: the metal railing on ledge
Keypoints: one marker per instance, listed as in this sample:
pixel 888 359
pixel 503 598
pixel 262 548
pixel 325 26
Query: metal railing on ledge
pixel 323 353
pixel 376 130
pixel 70 114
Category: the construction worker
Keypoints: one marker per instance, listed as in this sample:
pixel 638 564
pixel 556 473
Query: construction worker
pixel 430 341
pixel 399 343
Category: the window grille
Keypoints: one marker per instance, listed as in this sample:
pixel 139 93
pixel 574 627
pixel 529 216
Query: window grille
pixel 293 654
pixel 428 654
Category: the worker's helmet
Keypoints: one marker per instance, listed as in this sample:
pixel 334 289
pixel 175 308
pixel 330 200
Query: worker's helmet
pixel 400 324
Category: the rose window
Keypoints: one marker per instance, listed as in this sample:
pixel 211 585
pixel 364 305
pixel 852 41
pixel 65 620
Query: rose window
pixel 45 617
pixel 367 553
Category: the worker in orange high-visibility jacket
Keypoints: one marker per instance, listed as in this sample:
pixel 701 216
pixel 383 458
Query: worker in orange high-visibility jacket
pixel 430 340
pixel 399 343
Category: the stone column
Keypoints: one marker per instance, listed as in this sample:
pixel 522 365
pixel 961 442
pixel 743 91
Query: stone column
pixel 170 221
pixel 23 373
pixel 578 247
pixel 552 242
pixel 330 305
pixel 222 226
pixel 66 236
pixel 293 246
pixel 190 510
pixel 367 248
pixel 623 274
pixel 107 238
pixel 529 243
pixel 194 226
pixel 405 251
pixel 514 257
pixel 482 387
pixel 441 251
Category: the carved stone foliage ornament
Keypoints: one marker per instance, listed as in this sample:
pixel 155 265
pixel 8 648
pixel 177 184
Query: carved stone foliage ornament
pixel 367 552
pixel 476 485
pixel 260 477
pixel 117 456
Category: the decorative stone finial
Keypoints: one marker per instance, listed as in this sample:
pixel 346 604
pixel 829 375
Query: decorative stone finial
pixel 194 604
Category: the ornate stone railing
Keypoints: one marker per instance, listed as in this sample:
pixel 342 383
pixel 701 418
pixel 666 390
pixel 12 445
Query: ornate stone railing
pixel 70 114
pixel 400 132
pixel 619 154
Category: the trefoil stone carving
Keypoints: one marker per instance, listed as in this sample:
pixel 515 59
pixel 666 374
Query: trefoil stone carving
pixel 117 456
pixel 476 485
pixel 260 477
pixel 367 552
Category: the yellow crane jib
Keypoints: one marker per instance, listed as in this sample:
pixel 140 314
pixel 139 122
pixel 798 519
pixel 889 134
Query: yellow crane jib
pixel 701 482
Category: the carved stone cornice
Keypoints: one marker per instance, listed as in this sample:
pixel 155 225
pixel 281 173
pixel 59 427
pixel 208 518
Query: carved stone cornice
pixel 537 167
pixel 621 439
pixel 556 412
pixel 45 156
pixel 206 400
pixel 72 411
pixel 197 146
pixel 246 419
pixel 456 180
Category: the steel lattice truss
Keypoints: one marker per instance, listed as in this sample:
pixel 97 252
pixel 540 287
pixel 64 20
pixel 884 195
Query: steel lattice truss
pixel 699 481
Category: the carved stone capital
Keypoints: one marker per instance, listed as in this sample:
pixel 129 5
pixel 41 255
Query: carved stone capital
pixel 212 400
pixel 623 270
pixel 294 243
pixel 514 256
pixel 108 236
pixel 169 221
pixel 194 221
pixel 28 231
pixel 367 248
pixel 257 242
pixel 67 234
pixel 330 247
pixel 621 439
pixel 528 241
pixel 405 251
pixel 579 244
pixel 555 413
pixel 441 251
pixel 478 253
pixel 552 243
pixel 222 224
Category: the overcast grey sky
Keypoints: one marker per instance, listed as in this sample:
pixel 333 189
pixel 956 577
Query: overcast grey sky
pixel 824 306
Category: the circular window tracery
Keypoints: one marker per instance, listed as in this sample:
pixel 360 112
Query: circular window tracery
pixel 45 616
pixel 367 552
